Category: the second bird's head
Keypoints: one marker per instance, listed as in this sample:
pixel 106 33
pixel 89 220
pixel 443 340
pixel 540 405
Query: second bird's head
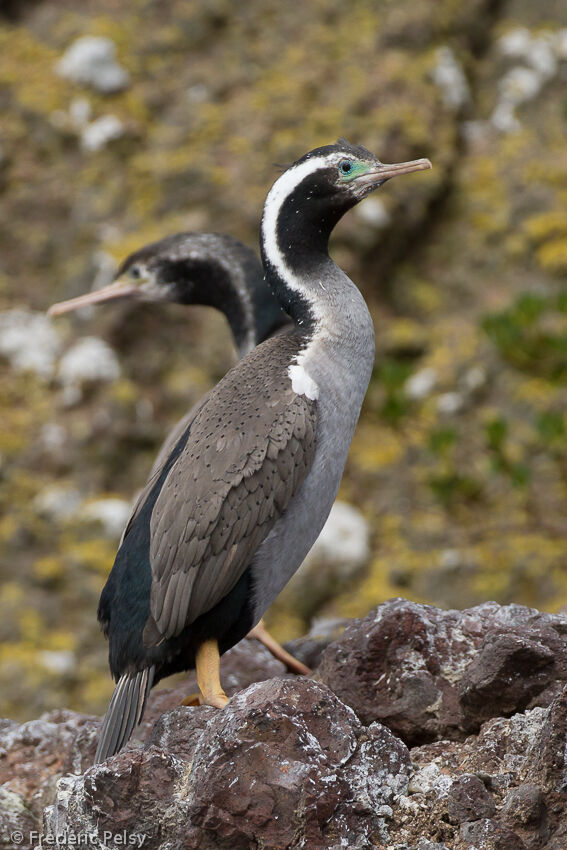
pixel 186 268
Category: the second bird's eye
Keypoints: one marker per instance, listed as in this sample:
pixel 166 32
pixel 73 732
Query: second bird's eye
pixel 345 166
pixel 135 272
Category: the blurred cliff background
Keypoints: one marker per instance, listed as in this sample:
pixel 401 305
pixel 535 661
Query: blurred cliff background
pixel 123 122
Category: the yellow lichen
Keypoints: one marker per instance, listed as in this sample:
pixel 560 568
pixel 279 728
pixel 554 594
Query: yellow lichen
pixel 552 255
pixel 48 569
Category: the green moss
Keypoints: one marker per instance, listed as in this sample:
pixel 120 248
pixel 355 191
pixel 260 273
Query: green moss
pixel 532 334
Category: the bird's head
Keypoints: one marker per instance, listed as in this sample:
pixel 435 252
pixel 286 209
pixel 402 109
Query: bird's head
pixel 348 172
pixel 310 197
pixel 173 269
pixel 139 277
pixel 153 272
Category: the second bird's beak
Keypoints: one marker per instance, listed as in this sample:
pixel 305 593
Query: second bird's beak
pixel 382 172
pixel 119 288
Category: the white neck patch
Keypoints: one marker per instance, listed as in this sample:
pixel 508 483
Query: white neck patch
pixel 301 381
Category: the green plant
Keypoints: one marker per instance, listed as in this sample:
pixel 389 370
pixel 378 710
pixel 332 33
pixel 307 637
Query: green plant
pixel 532 334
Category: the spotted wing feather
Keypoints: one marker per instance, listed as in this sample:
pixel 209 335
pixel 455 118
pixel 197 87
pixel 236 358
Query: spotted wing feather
pixel 250 448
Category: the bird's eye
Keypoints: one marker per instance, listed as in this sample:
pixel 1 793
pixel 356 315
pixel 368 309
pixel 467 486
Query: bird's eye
pixel 346 166
pixel 135 272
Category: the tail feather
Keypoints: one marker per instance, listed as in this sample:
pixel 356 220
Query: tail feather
pixel 126 702
pixel 124 711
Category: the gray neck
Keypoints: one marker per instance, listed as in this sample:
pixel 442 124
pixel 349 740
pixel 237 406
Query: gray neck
pixel 333 319
pixel 327 308
pixel 335 363
pixel 340 354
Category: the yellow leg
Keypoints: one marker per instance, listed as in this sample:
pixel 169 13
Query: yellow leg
pixel 261 633
pixel 207 664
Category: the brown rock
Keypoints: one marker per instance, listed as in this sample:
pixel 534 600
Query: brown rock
pixel 33 757
pixel 489 835
pixel 310 648
pixel 507 672
pixel 16 821
pixel 285 762
pixel 271 766
pixel 523 805
pixel 54 744
pixel 288 764
pixel 387 668
pixel 128 792
pixel 547 751
pixel 428 673
pixel 469 800
pixel 177 731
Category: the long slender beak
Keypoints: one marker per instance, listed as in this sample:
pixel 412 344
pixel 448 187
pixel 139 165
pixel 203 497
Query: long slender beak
pixel 117 289
pixel 382 172
pixel 387 171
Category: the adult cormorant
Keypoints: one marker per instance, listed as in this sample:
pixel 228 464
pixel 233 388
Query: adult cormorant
pixel 249 484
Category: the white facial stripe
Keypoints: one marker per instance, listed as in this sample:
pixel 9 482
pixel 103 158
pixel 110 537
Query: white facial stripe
pixel 282 188
pixel 301 381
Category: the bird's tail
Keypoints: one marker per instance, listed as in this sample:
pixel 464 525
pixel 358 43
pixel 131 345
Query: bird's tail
pixel 124 711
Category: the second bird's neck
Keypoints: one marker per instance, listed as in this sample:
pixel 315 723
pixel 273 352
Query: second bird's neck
pixel 213 285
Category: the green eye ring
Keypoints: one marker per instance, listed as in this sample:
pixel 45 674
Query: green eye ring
pixel 346 166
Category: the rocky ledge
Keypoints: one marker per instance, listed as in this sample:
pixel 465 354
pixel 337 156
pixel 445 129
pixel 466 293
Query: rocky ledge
pixel 421 729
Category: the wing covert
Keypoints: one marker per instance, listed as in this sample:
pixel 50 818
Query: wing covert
pixel 249 449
